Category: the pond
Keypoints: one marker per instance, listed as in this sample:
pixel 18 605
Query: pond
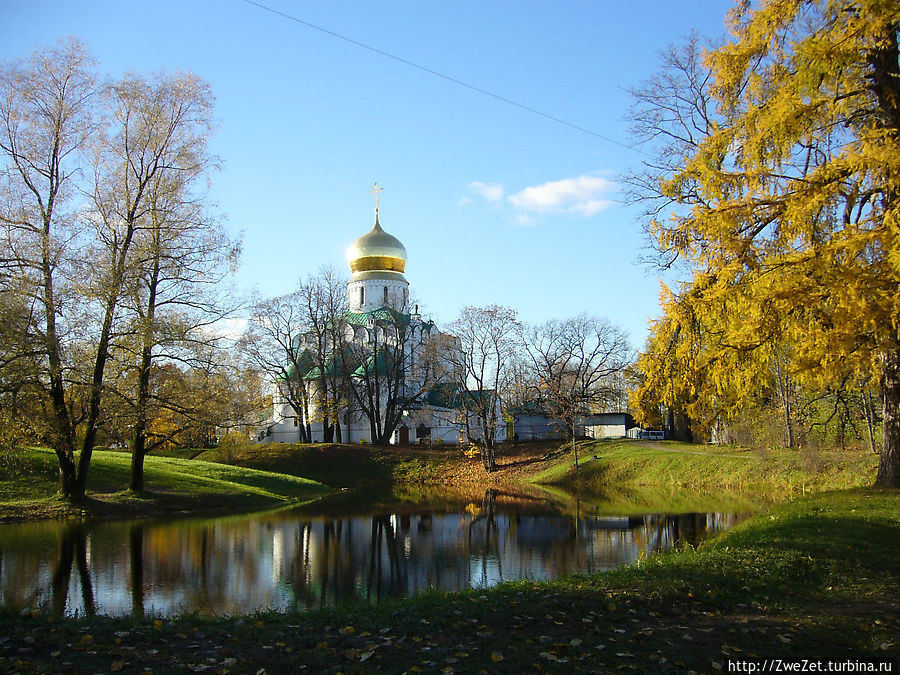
pixel 346 548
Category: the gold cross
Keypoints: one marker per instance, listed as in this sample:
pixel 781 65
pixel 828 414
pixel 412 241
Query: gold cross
pixel 376 190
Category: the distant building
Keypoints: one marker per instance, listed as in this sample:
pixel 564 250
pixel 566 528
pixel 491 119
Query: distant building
pixel 606 425
pixel 531 423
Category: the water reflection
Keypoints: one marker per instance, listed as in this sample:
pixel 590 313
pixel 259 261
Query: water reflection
pixel 304 559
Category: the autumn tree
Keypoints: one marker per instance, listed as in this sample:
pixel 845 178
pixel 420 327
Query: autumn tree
pixel 158 158
pixel 483 371
pixel 786 208
pixel 47 114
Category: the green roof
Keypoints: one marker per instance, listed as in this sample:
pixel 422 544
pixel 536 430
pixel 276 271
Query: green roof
pixel 451 396
pixel 304 360
pixel 334 365
pixel 383 315
pixel 381 363
pixel 380 315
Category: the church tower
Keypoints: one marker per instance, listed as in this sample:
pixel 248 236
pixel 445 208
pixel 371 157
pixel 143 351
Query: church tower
pixel 377 260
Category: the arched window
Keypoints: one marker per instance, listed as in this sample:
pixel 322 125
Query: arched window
pixel 385 295
pixel 362 295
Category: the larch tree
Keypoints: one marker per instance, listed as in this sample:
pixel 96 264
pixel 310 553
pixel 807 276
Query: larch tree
pixel 786 210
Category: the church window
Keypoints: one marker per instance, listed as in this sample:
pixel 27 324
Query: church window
pixel 362 295
pixel 385 295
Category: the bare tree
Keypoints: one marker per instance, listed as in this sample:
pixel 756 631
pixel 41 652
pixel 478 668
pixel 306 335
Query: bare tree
pixel 483 371
pixel 671 112
pixel 276 342
pixel 577 365
pixel 391 359
pixel 324 300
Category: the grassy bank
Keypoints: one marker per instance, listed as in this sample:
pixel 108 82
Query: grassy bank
pixel 613 475
pixel 604 467
pixel 813 579
pixel 29 484
pixel 622 465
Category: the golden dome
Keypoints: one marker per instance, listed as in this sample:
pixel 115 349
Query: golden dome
pixel 377 251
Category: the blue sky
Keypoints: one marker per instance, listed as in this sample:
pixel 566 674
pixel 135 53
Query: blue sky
pixel 493 203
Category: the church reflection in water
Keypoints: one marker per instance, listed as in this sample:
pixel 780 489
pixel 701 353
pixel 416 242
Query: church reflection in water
pixel 291 560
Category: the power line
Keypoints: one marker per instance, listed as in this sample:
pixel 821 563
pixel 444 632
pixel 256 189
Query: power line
pixel 425 69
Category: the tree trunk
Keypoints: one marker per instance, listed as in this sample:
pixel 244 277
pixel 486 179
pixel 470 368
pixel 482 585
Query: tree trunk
pixel 139 447
pixel 64 434
pixel 90 434
pixel 325 411
pixel 784 390
pixel 138 451
pixel 487 458
pixel 889 465
pixel 870 419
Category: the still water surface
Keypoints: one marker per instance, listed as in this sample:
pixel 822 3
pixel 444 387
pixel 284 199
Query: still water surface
pixel 341 550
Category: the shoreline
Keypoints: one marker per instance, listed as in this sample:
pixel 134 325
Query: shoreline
pixel 275 475
pixel 812 578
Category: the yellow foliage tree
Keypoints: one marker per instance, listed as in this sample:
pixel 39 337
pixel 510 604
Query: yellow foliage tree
pixel 787 206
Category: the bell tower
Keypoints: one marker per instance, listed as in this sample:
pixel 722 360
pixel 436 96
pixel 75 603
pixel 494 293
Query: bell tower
pixel 377 260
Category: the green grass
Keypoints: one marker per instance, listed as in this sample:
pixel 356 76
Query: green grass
pixel 812 579
pixel 28 487
pixel 341 465
pixel 624 464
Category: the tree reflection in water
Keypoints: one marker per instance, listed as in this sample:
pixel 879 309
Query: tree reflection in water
pixel 73 550
pixel 383 534
pixel 136 557
pixel 302 559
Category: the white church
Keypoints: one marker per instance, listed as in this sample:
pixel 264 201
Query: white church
pixel 378 300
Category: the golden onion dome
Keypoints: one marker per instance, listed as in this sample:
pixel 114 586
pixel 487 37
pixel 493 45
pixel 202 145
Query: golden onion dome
pixel 377 251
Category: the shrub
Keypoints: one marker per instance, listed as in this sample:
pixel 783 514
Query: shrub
pixel 13 433
pixel 232 444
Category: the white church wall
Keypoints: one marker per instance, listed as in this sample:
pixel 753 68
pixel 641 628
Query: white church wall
pixel 367 295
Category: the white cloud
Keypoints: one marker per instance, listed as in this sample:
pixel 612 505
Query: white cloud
pixel 230 329
pixel 582 196
pixel 490 192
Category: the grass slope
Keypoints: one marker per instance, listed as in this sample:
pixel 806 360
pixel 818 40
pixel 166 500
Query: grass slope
pixel 28 487
pixel 628 464
pixel 813 579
